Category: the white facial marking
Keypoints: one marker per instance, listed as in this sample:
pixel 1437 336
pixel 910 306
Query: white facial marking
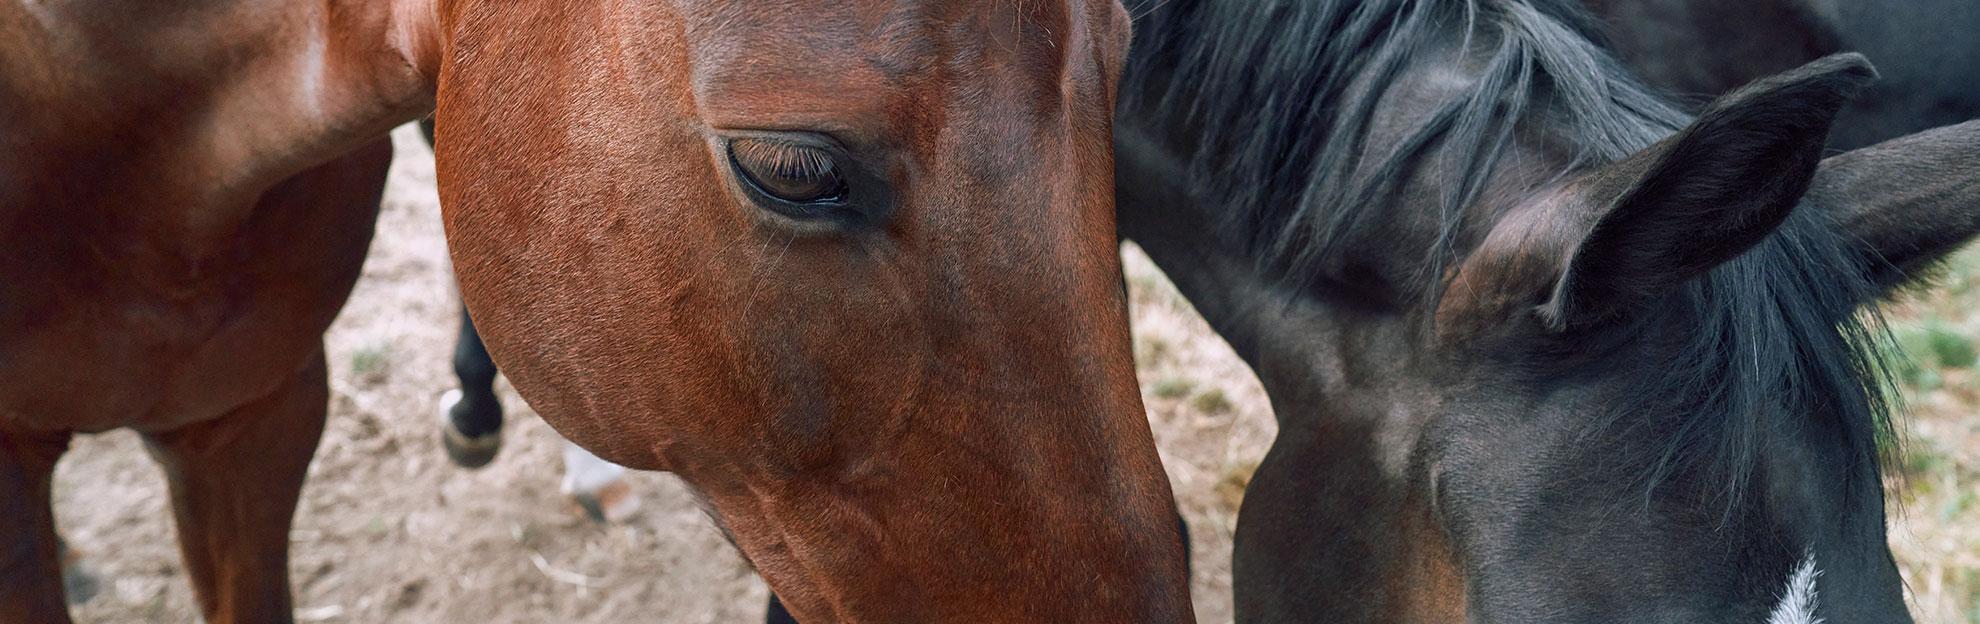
pixel 1798 600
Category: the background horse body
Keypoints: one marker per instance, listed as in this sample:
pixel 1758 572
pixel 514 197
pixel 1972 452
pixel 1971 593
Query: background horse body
pixel 688 255
pixel 177 238
pixel 1925 51
pixel 1541 349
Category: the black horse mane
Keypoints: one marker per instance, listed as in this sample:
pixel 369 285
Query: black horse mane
pixel 1278 97
pixel 1281 95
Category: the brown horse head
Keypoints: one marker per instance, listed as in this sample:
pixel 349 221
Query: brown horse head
pixel 849 269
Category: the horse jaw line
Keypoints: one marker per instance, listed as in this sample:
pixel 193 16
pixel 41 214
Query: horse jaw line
pixel 1797 604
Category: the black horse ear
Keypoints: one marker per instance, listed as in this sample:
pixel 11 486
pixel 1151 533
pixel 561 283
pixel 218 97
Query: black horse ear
pixel 1907 202
pixel 1698 199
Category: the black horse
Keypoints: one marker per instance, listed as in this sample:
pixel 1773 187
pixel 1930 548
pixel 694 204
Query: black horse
pixel 1542 348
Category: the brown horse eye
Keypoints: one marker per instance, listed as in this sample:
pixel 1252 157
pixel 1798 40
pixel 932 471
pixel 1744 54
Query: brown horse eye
pixel 799 174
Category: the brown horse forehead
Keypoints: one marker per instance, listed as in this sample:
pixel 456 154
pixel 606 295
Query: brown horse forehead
pixel 863 50
pixel 905 23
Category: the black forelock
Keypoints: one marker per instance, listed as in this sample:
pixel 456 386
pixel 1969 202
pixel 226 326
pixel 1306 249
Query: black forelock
pixel 1280 95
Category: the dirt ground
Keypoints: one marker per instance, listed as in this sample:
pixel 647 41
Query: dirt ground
pixel 389 531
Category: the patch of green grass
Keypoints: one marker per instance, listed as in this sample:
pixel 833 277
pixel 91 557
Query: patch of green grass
pixel 1912 338
pixel 1212 401
pixel 1958 505
pixel 371 361
pixel 1230 486
pixel 1907 353
pixel 1922 460
pixel 1968 578
pixel 1924 348
pixel 1174 388
pixel 1145 285
pixel 1150 351
pixel 1949 347
pixel 1962 271
pixel 1926 379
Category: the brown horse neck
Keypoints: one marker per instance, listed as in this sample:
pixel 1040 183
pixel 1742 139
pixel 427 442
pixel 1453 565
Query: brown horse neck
pixel 195 106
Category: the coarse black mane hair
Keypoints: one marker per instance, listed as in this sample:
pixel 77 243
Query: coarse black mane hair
pixel 1278 98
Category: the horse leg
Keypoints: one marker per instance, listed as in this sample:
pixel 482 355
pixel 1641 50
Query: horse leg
pixel 30 552
pixel 234 483
pixel 598 486
pixel 777 614
pixel 78 583
pixel 471 429
pixel 1182 526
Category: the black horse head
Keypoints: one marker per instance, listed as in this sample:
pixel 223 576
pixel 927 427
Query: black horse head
pixel 1542 349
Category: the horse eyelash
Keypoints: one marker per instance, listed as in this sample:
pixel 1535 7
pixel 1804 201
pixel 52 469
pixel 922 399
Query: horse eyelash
pixel 785 160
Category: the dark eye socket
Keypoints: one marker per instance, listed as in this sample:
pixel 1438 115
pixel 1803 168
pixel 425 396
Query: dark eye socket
pixel 791 172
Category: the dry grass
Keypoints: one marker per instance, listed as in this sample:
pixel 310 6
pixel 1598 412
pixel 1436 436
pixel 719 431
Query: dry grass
pixel 1935 526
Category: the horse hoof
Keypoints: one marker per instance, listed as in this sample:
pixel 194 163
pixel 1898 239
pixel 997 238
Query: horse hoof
pixel 79 585
pixel 466 451
pixel 612 503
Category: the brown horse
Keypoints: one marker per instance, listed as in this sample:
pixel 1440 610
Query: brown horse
pixel 187 190
pixel 850 272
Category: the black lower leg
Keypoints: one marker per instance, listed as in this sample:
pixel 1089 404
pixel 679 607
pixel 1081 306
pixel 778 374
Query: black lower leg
pixel 30 559
pixel 777 614
pixel 479 413
pixel 78 583
pixel 1183 528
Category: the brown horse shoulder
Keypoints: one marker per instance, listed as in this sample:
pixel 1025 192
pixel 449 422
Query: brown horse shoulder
pixel 151 190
